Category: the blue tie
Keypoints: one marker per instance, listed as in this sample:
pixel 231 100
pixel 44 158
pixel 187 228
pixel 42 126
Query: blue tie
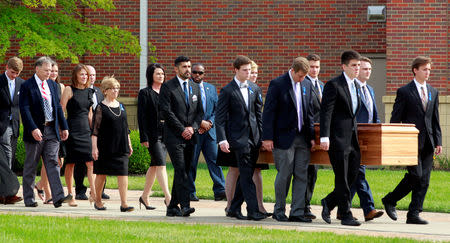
pixel 354 98
pixel 186 94
pixel 203 94
pixel 11 89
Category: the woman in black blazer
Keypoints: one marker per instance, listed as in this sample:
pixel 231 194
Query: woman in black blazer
pixel 150 130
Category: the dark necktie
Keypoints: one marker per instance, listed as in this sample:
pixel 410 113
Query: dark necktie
pixel 186 94
pixel 424 98
pixel 316 88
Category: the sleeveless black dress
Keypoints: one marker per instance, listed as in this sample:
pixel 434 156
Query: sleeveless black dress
pixel 111 129
pixel 79 145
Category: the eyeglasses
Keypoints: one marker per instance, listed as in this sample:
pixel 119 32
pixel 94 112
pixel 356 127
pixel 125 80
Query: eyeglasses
pixel 115 89
pixel 198 72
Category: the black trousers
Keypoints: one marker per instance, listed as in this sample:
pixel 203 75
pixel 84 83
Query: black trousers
pixel 311 183
pixel 245 188
pixel 345 167
pixel 181 156
pixel 416 180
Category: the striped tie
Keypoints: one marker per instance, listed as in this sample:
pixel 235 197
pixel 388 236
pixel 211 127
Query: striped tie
pixel 46 100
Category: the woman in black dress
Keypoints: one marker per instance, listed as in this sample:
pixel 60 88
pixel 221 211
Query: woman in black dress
pixel 111 144
pixel 150 131
pixel 77 100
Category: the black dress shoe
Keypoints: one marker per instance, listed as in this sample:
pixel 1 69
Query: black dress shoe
pixel 325 211
pixel 268 214
pixel 350 222
pixel 172 212
pixel 105 196
pixel 193 198
pixel 280 217
pixel 31 205
pixel 99 208
pixel 65 199
pixel 255 216
pixel 237 215
pixel 309 215
pixel 415 220
pixel 81 196
pixel 300 218
pixel 339 217
pixel 390 210
pixel 220 197
pixel 186 211
pixel 126 209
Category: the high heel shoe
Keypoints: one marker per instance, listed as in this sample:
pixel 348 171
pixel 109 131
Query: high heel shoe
pixel 40 192
pixel 141 201
pixel 99 208
pixel 127 209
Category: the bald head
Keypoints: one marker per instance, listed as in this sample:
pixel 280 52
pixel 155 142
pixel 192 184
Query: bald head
pixel 92 74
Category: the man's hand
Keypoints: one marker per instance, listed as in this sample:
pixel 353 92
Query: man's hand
pixel 225 147
pixel 187 133
pixel 64 135
pixel 37 135
pixel 205 125
pixel 145 144
pixel 267 145
pixel 325 145
pixel 438 150
pixel 313 144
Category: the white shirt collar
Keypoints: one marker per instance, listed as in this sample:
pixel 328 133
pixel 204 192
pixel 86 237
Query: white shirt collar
pixel 361 84
pixel 349 81
pixel 239 82
pixel 424 85
pixel 38 80
pixel 181 81
pixel 9 80
pixel 311 78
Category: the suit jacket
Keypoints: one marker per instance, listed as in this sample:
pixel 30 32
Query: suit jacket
pixel 211 105
pixel 234 120
pixel 280 119
pixel 150 126
pixel 363 114
pixel 316 100
pixel 32 109
pixel 408 109
pixel 8 107
pixel 98 93
pixel 177 115
pixel 337 120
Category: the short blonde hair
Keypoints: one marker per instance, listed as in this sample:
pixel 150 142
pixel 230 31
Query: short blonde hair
pixel 109 82
pixel 300 64
pixel 15 64
pixel 254 65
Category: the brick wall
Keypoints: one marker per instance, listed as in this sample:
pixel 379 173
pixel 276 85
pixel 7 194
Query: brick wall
pixel 272 33
pixel 417 28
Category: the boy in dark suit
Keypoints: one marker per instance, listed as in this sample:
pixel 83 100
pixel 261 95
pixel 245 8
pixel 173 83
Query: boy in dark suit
pixel 239 125
pixel 417 103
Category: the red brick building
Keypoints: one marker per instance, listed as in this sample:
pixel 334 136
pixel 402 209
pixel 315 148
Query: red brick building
pixel 274 32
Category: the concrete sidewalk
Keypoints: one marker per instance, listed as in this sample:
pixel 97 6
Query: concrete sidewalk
pixel 211 212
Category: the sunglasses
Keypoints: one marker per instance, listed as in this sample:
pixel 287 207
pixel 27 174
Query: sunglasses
pixel 198 72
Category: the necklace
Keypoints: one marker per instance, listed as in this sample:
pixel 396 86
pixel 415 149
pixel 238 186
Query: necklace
pixel 120 111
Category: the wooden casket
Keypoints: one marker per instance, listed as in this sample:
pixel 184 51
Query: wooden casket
pixel 380 144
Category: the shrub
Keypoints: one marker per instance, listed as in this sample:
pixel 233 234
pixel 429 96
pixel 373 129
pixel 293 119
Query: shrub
pixel 441 162
pixel 140 159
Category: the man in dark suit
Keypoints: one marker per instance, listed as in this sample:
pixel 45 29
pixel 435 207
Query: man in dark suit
pixel 313 77
pixel 181 108
pixel 338 135
pixel 9 115
pixel 42 118
pixel 9 107
pixel 206 140
pixel 367 114
pixel 239 124
pixel 417 103
pixel 288 130
pixel 80 168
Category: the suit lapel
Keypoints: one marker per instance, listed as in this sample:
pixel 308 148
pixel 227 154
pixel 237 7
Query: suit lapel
pixel 16 92
pixel 344 85
pixel 291 89
pixel 5 90
pixel 430 97
pixel 179 90
pixel 415 94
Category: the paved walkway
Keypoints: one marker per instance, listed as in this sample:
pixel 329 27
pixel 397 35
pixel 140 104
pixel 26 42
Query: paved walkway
pixel 211 212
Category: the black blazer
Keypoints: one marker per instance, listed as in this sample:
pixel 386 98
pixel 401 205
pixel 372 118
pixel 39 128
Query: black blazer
pixel 234 120
pixel 408 109
pixel 316 99
pixel 32 108
pixel 280 120
pixel 337 120
pixel 98 93
pixel 8 107
pixel 150 127
pixel 174 112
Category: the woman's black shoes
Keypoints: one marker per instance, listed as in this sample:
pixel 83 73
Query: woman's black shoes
pixel 141 201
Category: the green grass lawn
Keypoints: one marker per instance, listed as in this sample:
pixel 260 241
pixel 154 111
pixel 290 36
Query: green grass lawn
pixel 381 182
pixel 21 228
